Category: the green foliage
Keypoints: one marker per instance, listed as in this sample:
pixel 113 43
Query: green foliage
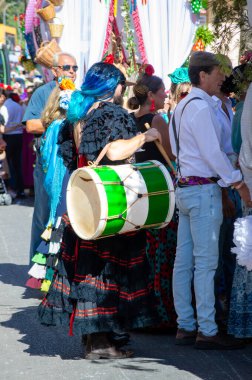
pixel 204 34
pixel 15 9
pixel 205 4
pixel 129 34
pixel 243 80
pixel 230 17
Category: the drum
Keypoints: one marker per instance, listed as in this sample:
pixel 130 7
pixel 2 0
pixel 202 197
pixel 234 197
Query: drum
pixel 109 200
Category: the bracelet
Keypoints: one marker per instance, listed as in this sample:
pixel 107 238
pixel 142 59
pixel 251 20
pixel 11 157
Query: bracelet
pixel 238 186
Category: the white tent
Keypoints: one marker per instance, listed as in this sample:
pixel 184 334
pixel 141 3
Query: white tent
pixel 167 28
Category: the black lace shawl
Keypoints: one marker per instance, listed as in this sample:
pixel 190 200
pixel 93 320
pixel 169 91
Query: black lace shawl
pixel 67 149
pixel 109 122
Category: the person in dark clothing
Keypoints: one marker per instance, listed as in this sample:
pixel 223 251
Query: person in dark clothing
pixel 64 65
pixel 149 96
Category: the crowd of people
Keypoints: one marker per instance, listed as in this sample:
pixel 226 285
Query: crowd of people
pixel 182 277
pixel 17 167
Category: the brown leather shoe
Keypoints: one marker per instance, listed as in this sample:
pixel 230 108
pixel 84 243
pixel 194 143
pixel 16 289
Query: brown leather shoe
pixel 185 338
pixel 218 342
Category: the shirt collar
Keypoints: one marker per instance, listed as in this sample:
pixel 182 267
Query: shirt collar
pixel 202 94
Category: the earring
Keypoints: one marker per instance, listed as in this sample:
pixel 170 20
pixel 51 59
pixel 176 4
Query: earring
pixel 152 106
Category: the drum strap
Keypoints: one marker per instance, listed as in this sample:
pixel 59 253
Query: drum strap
pixel 176 135
pixel 101 155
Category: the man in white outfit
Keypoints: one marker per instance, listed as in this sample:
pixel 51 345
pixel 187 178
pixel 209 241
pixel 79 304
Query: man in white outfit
pixel 203 168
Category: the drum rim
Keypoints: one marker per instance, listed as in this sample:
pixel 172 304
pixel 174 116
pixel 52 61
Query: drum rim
pixel 171 189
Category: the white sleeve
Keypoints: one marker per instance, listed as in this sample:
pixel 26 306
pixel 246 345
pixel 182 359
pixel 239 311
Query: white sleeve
pixel 204 133
pixel 4 113
pixel 172 137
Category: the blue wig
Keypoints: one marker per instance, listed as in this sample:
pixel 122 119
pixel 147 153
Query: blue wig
pixel 99 84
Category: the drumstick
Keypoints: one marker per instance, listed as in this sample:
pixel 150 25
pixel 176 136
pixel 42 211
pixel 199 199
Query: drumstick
pixel 162 151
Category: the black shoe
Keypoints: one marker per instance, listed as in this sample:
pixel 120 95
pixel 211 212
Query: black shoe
pixel 118 339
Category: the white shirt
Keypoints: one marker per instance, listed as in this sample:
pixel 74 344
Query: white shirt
pixel 13 115
pixel 201 150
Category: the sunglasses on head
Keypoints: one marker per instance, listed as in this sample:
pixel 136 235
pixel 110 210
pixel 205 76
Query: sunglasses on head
pixel 68 67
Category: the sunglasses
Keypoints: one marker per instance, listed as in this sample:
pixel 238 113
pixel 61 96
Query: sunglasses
pixel 68 67
pixel 184 94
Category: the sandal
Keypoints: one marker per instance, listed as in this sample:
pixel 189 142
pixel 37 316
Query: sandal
pixel 108 353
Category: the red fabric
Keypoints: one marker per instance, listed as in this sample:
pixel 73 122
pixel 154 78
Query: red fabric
pixel 76 252
pixel 82 161
pixel 109 28
pixel 138 29
pixel 28 160
pixel 71 322
pixel 33 283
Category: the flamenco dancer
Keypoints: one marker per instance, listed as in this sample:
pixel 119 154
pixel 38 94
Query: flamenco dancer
pixel 100 286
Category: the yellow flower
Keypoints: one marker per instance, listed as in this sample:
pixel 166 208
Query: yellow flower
pixel 67 84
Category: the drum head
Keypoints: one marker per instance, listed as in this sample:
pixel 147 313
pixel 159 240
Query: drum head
pixel 84 204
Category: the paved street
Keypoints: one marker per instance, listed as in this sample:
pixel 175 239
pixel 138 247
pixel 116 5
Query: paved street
pixel 31 351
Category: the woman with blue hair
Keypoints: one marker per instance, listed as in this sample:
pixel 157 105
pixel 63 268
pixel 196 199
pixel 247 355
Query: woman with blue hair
pixel 100 286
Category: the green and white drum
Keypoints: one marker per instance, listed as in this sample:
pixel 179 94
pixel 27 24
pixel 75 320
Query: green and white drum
pixel 109 200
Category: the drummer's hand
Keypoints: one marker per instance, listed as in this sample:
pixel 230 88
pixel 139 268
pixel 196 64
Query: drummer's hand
pixel 2 145
pixel 152 134
pixel 2 128
pixel 249 204
pixel 245 194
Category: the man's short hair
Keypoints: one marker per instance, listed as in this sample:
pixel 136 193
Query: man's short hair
pixel 57 56
pixel 201 61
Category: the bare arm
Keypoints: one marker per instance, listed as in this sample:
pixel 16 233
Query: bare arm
pixel 163 128
pixel 77 135
pixel 122 149
pixel 3 129
pixel 2 144
pixel 35 126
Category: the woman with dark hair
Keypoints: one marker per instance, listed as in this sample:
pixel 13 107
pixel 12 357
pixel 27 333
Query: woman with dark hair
pixel 149 97
pixel 99 286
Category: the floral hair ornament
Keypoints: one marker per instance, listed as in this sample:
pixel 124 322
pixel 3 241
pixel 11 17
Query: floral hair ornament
pixel 108 58
pixel 67 87
pixel 179 75
pixel 149 70
pixel 66 84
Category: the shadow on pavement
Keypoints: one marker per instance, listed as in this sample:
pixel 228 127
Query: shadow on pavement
pixel 17 275
pixel 151 351
pixel 43 340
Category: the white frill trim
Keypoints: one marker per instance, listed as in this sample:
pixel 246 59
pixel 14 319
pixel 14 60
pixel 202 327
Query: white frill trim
pixel 54 248
pixel 37 271
pixel 243 241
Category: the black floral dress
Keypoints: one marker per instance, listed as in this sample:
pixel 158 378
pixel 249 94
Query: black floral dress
pixel 161 245
pixel 99 285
